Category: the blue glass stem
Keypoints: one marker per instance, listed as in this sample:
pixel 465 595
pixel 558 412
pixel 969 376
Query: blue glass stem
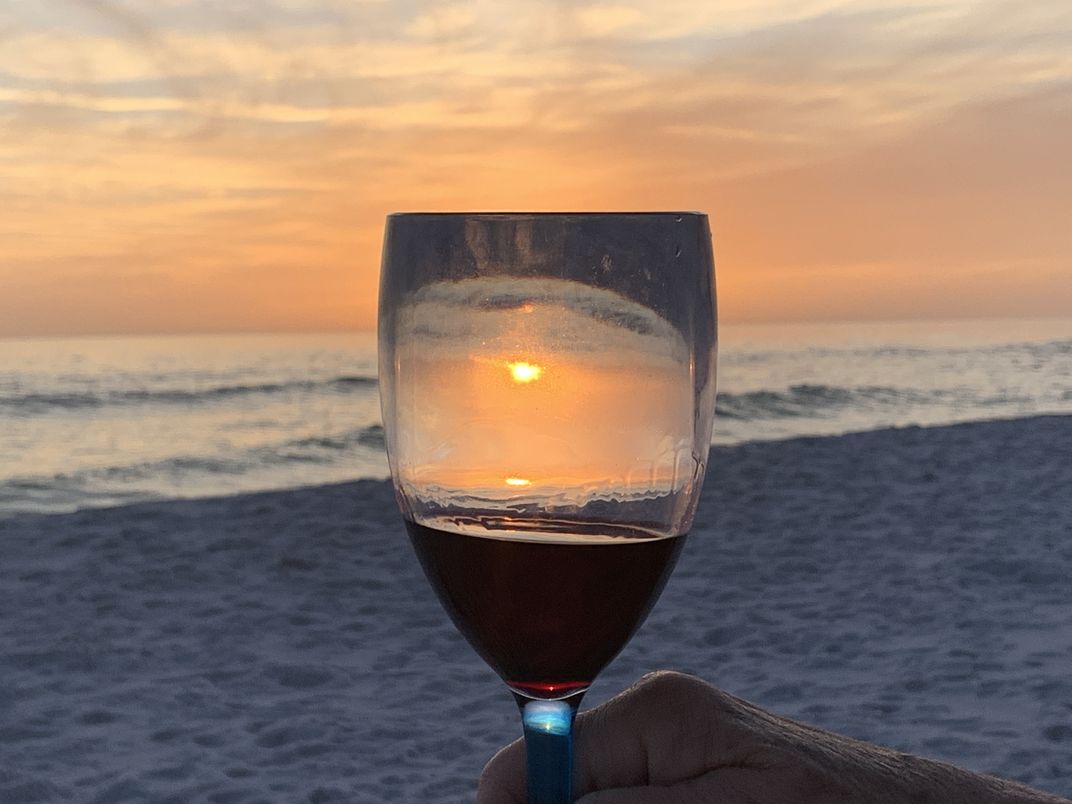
pixel 549 750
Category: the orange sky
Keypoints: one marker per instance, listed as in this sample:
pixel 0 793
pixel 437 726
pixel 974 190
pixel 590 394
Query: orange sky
pixel 183 165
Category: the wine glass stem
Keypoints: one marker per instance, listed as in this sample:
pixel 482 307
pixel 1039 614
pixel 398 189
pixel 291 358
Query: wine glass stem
pixel 549 750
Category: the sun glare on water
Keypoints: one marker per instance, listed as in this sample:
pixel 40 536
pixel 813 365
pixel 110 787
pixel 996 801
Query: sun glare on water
pixel 524 372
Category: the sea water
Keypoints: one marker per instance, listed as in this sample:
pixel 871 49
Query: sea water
pixel 103 421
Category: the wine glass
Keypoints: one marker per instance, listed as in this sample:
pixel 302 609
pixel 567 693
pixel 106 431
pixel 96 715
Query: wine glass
pixel 547 383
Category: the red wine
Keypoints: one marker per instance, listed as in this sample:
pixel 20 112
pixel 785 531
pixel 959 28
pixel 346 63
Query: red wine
pixel 546 613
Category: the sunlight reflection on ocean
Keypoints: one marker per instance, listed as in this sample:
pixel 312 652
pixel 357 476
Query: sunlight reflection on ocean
pixel 103 421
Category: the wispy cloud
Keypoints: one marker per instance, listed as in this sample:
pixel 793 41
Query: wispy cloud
pixel 188 139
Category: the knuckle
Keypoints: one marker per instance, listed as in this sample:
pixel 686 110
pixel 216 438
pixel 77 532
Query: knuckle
pixel 668 694
pixel 672 682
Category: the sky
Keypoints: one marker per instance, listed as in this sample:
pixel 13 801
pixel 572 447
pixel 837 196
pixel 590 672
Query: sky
pixel 191 165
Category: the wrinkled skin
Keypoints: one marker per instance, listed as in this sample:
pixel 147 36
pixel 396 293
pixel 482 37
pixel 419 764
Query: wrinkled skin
pixel 673 739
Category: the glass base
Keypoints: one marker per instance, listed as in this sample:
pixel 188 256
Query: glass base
pixel 558 691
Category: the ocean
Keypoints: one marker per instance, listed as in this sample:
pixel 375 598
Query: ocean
pixel 101 421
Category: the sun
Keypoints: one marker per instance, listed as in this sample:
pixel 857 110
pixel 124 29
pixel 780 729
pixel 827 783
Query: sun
pixel 523 372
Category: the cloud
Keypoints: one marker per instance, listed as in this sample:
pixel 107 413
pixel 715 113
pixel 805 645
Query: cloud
pixel 443 23
pixel 608 20
pixel 194 136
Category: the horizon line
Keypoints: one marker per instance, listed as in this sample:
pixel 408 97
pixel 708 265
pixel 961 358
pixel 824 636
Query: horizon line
pixel 356 330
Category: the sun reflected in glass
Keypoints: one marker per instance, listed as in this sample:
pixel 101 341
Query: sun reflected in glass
pixel 523 372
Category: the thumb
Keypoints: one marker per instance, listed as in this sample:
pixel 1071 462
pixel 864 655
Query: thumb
pixel 667 729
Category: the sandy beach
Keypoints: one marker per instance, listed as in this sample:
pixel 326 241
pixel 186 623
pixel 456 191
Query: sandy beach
pixel 909 587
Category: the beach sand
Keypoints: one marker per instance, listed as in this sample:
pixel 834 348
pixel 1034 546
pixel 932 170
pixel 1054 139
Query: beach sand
pixel 910 587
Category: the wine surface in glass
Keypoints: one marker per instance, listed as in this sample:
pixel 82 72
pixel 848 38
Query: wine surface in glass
pixel 546 612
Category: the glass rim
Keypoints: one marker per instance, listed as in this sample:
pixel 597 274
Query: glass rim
pixel 568 214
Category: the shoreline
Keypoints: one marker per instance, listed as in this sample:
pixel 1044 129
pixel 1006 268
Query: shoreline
pixel 906 586
pixel 715 446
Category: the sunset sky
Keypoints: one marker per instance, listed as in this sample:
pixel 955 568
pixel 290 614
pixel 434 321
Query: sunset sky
pixel 189 165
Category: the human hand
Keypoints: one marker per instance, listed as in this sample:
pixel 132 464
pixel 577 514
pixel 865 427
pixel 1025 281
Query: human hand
pixel 673 739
